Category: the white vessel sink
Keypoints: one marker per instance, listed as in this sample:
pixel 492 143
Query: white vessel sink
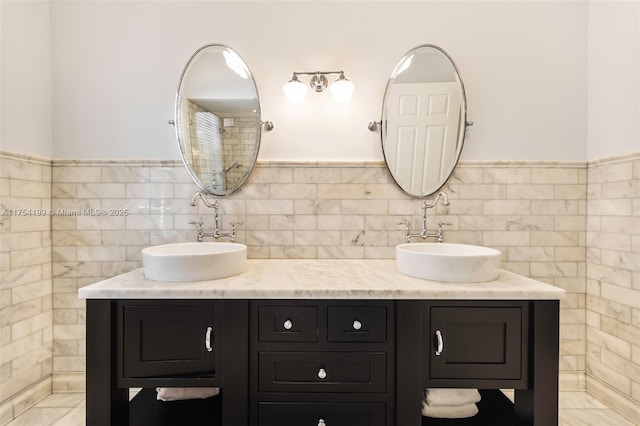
pixel 194 261
pixel 448 262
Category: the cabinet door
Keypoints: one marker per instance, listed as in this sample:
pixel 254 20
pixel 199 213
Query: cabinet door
pixel 475 342
pixel 168 341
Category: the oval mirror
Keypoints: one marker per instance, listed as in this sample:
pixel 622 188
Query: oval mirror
pixel 217 120
pixel 424 113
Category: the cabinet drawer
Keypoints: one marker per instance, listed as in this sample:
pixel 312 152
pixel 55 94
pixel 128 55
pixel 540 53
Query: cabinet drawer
pixel 322 371
pixel 315 414
pixel 476 343
pixel 168 341
pixel 288 324
pixel 357 324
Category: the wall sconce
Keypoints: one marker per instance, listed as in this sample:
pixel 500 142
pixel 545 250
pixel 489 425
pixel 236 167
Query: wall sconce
pixel 341 89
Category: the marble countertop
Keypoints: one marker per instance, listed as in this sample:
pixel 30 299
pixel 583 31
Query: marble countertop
pixel 321 279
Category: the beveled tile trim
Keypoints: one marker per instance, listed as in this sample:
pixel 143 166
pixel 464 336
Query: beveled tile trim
pixel 25 399
pixel 518 164
pixel 129 163
pixel 306 163
pixel 613 398
pixel 616 159
pixel 572 381
pixel 68 382
pixel 8 155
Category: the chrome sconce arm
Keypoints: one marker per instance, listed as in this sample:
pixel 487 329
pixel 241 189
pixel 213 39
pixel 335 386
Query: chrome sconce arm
pixel 341 89
pixel 375 125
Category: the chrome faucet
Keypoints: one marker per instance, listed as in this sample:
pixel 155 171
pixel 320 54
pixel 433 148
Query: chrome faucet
pixel 424 233
pixel 199 194
pixel 217 232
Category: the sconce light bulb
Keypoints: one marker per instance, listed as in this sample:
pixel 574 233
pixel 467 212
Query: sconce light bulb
pixel 341 89
pixel 294 90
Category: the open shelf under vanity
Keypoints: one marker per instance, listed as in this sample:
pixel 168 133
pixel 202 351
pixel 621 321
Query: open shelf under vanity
pixel 146 410
pixel 494 409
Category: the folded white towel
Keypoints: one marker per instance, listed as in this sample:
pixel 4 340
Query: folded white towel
pixel 177 394
pixel 449 411
pixel 444 396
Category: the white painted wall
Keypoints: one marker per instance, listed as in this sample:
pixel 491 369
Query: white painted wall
pixel 614 79
pixel 25 82
pixel 117 64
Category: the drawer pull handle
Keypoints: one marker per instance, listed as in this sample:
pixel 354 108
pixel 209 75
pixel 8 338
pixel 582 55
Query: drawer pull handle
pixel 288 325
pixel 207 339
pixel 439 343
pixel 321 422
pixel 357 325
pixel 322 373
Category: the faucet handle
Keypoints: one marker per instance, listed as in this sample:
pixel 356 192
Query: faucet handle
pixel 232 233
pixel 440 233
pixel 407 226
pixel 233 226
pixel 199 232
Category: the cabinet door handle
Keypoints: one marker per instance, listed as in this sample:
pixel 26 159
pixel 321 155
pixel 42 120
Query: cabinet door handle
pixel 439 343
pixel 322 373
pixel 357 325
pixel 288 325
pixel 207 339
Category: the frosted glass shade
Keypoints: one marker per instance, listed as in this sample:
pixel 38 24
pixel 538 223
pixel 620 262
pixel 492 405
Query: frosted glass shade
pixel 341 90
pixel 294 91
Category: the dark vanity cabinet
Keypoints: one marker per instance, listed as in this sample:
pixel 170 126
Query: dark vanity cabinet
pixel 322 363
pixel 467 343
pixel 489 345
pixel 166 343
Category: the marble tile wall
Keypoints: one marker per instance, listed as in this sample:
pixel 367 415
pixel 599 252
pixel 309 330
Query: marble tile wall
pixel 26 324
pixel 106 212
pixel 569 225
pixel 613 283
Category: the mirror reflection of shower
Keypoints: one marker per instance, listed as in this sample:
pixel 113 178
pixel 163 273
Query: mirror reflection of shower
pixel 218 93
pixel 219 177
pixel 233 166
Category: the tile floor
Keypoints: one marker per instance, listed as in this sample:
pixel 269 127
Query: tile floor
pixel 67 409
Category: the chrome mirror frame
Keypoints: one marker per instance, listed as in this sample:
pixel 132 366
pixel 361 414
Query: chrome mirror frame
pixel 463 124
pixel 178 125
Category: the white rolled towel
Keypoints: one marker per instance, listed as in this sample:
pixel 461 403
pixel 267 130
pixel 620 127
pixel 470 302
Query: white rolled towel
pixel 449 411
pixel 445 396
pixel 178 394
